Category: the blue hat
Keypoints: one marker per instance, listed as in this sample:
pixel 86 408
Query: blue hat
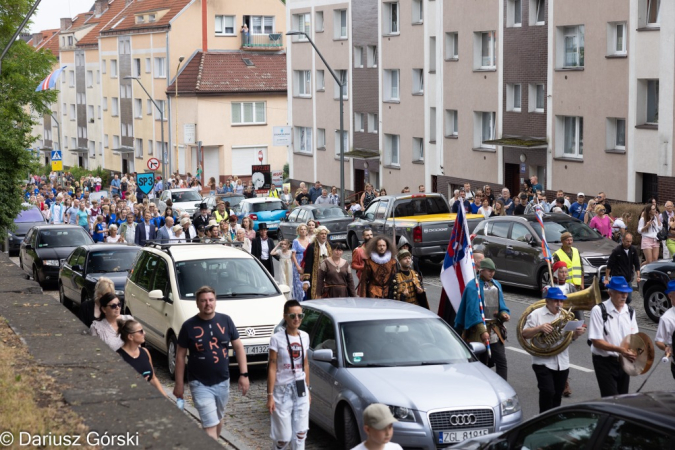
pixel 619 284
pixel 671 287
pixel 555 293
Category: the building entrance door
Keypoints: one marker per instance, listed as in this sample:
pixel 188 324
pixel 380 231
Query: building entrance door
pixel 359 180
pixel 512 178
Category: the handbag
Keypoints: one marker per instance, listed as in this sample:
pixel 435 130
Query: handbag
pixel 662 235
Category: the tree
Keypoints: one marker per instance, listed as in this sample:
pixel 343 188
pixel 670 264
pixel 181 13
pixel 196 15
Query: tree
pixel 23 68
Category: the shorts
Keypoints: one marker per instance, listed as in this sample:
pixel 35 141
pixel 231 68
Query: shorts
pixel 210 401
pixel 648 242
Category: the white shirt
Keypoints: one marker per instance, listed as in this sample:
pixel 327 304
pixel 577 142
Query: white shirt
pixel 387 446
pixel 264 249
pixel 130 234
pixel 666 327
pixel 278 344
pixel 618 325
pixel 147 230
pixel 561 361
pixel 653 229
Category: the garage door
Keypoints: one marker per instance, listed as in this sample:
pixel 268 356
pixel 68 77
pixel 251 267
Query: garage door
pixel 244 158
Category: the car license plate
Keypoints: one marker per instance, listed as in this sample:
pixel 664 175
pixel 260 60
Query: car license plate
pixel 338 237
pixel 257 349
pixel 272 226
pixel 449 437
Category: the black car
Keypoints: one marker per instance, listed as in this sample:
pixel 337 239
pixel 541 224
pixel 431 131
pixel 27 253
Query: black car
pixel 46 247
pixel 332 217
pixel 82 269
pixel 632 421
pixel 654 278
pixel 27 219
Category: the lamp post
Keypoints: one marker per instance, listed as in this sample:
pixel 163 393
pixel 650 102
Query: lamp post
pixel 342 129
pixel 161 119
pixel 180 61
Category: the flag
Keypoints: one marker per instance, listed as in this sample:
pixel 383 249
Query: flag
pixel 457 268
pixel 539 212
pixel 50 81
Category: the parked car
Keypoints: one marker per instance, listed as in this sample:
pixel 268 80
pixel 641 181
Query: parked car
pixel 46 247
pixel 424 219
pixel 184 200
pixel 263 209
pixel 633 421
pixel 514 244
pixel 29 217
pixel 654 278
pixel 332 217
pixel 82 269
pixel 404 356
pixel 234 199
pixel 160 294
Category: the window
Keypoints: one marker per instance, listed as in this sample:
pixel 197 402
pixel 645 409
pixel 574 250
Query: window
pixel 653 13
pixel 345 139
pixel 113 68
pixel 160 67
pixel 116 142
pixel 115 106
pixel 391 150
pixel 90 113
pixel 92 149
pixel 537 12
pixel 301 23
pixel 149 106
pixel 514 13
pixel 358 57
pixel 106 141
pixel 324 337
pixel 248 113
pixel 342 75
pixel 262 24
pixel 138 148
pixel 417 11
pixel 373 123
pixel 98 77
pixel 625 435
pixel 359 121
pixel 451 126
pixel 64 108
pixel 537 96
pixel 159 147
pixel 616 38
pixel 572 136
pixel 451 45
pixel 320 80
pixel 71 111
pixel 485 49
pixel 432 124
pixel 136 67
pixel 340 24
pixel 558 430
pixel 484 129
pixel 138 108
pixel 321 138
pixel 318 21
pixel 73 142
pixel 150 147
pixel 371 56
pixel 513 97
pixel 571 47
pixel 161 106
pixel 648 108
pixel 418 149
pixel 105 103
pixel 71 78
pixel 303 83
pixel 616 134
pixel 391 85
pixel 303 140
pixel 391 25
pixel 152 17
pixel 125 91
pixel 225 25
pixel 90 78
pixel 432 55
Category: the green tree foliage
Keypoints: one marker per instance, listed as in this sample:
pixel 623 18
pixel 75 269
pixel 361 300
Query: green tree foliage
pixel 22 70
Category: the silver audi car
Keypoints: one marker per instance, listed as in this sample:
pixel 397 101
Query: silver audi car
pixel 365 351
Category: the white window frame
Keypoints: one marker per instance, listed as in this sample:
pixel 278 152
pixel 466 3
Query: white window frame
pixel 148 65
pixel 321 138
pixel 72 115
pixel 373 123
pixel 418 81
pixel 320 80
pixel 432 124
pixel 160 67
pixel 537 12
pixel 417 12
pixel 418 149
pixel 345 136
pixel 264 23
pixel 480 59
pixel 116 142
pixel 138 148
pixel 358 57
pixel 359 122
pixel 533 92
pixel 221 26
pixel 151 146
pixel 573 139
pixel 480 127
pixel 614 46
pixel 452 46
pixel 432 54
pixel 255 109
pixel 92 148
pixel 71 78
pixel 302 80
pixel 514 97
pixel 104 65
pixel 64 108
pixel 302 140
pixel 90 112
pixel 565 34
pixel 371 56
pixel 614 126
pixel 106 141
pixel 649 86
pixel 649 5
pixel 162 106
pixel 318 22
pixel 113 68
pixel 392 18
pixel 392 85
pixel 136 67
pixel 343 75
pixel 138 108
pixel 149 107
pixel 451 123
pixel 90 78
pixel 392 150
pixel 514 13
pixel 302 22
pixel 339 18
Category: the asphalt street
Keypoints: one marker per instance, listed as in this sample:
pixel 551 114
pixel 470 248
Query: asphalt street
pixel 249 421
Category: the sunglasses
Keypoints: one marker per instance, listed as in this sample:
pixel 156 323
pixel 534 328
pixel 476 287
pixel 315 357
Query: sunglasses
pixel 142 331
pixel 294 316
pixel 114 305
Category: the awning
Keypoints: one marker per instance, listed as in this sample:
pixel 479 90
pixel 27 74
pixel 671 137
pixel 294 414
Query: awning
pixel 45 149
pixel 123 150
pixel 519 142
pixel 362 153
pixel 79 150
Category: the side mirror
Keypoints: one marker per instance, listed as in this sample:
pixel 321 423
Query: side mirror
pixel 325 355
pixel 285 289
pixel 77 268
pixel 157 294
pixel 477 347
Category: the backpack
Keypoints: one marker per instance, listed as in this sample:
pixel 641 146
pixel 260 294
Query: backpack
pixel 605 315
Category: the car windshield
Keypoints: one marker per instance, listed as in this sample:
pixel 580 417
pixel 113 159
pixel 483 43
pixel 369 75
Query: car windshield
pixel 29 215
pixel 401 342
pixel 185 196
pixel 72 237
pixel 230 278
pixel 111 261
pixel 419 206
pixel 267 206
pixel 580 231
pixel 329 213
pixel 234 200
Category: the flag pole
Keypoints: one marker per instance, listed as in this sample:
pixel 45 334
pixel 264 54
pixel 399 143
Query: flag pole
pixel 544 245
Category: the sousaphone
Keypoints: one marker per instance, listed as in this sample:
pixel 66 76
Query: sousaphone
pixel 643 347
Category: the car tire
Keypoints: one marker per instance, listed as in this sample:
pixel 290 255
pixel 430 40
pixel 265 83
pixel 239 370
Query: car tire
pixel 656 302
pixel 280 235
pixel 543 279
pixel 171 355
pixel 353 241
pixel 65 301
pixel 36 276
pixel 352 438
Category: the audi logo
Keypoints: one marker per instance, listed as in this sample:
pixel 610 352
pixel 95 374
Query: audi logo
pixel 250 332
pixel 462 419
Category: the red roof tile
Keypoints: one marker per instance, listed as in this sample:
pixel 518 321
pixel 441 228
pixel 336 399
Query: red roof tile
pixel 225 73
pixel 128 17
pixel 108 18
pixel 50 41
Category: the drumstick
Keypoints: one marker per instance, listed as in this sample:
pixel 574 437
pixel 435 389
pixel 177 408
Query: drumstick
pixel 663 360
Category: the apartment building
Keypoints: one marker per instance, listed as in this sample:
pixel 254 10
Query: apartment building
pixel 492 92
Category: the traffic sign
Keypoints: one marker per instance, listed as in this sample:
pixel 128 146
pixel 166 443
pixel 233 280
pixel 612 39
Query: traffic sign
pixel 146 181
pixel 153 164
pixel 57 160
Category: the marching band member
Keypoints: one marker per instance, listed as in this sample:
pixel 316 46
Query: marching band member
pixel 666 330
pixel 611 321
pixel 551 371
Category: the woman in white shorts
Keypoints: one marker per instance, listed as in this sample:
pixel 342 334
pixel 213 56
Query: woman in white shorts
pixel 649 227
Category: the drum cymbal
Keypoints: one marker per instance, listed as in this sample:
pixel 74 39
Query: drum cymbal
pixel 642 346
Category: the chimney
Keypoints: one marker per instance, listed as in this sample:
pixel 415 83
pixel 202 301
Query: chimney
pixel 66 23
pixel 99 7
pixel 37 38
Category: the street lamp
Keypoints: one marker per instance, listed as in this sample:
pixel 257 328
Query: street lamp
pixel 180 61
pixel 342 128
pixel 161 119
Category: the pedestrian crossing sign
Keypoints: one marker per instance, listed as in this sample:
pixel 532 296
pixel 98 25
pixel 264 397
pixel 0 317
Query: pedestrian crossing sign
pixel 57 160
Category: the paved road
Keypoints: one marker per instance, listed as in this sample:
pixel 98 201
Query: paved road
pixel 249 421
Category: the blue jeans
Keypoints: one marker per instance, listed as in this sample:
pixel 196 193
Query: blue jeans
pixel 290 421
pixel 210 401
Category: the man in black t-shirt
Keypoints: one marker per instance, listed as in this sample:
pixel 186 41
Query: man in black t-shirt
pixel 303 198
pixel 208 335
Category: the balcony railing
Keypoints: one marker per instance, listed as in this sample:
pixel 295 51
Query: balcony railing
pixel 272 41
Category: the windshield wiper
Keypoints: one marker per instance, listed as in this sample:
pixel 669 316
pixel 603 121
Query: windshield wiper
pixel 242 294
pixel 435 363
pixel 380 365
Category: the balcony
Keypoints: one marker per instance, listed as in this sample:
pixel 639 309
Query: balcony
pixel 262 42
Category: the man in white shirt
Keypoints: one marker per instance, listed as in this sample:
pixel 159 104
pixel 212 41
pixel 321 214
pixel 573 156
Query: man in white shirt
pixel 551 371
pixel 666 330
pixel 128 228
pixel 606 331
pixel 57 211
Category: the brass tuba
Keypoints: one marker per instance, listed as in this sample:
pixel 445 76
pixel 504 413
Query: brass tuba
pixel 553 343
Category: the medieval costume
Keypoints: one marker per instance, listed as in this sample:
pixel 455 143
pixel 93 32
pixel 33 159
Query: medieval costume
pixel 378 271
pixel 335 280
pixel 315 254
pixel 407 284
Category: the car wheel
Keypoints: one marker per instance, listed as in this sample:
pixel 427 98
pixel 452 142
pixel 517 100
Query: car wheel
pixel 65 301
pixel 84 297
pixel 353 241
pixel 171 356
pixel 544 279
pixel 656 302
pixel 352 438
pixel 36 277
pixel 280 235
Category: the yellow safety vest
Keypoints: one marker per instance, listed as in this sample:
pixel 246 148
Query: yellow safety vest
pixel 220 218
pixel 573 266
pixel 273 193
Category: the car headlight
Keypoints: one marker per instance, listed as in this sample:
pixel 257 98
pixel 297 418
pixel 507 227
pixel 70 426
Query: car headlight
pixel 510 405
pixel 51 262
pixel 119 292
pixel 402 414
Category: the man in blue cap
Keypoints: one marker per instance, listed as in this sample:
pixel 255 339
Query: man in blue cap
pixel 665 334
pixel 611 321
pixel 551 371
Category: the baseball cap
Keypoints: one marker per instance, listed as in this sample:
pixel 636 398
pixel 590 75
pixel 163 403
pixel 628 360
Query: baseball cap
pixel 670 288
pixel 378 416
pixel 581 194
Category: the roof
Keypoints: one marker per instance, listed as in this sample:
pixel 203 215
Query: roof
pixel 365 309
pixel 261 200
pixel 110 247
pixel 222 72
pixel 127 20
pixel 50 41
pixel 519 142
pixel 108 17
pixel 200 251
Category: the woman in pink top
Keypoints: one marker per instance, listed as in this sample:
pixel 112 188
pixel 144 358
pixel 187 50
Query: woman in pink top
pixel 602 222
